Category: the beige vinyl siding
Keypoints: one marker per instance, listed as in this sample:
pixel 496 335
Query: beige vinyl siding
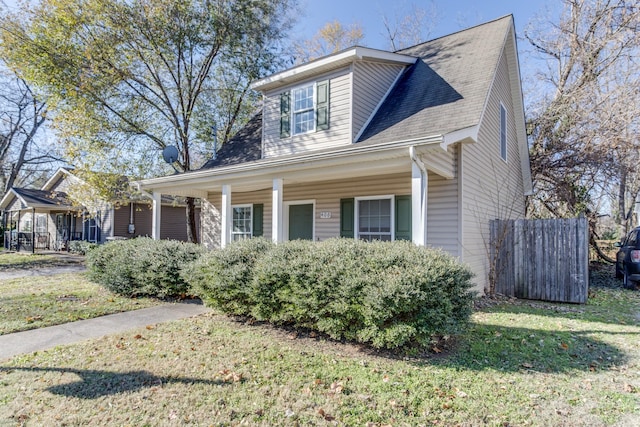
pixel 63 184
pixel 492 188
pixel 339 118
pixel 442 208
pixel 15 205
pixel 370 83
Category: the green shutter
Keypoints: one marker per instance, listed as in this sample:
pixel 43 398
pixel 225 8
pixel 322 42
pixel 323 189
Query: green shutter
pixel 258 213
pixel 322 105
pixel 403 217
pixel 347 209
pixel 285 114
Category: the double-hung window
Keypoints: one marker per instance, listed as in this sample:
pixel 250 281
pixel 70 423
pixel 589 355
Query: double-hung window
pixel 242 222
pixel 304 109
pixel 374 218
pixel 304 119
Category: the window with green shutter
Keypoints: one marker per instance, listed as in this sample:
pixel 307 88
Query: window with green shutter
pixel 258 214
pixel 403 218
pixel 373 218
pixel 304 109
pixel 285 114
pixel 322 105
pixel 347 208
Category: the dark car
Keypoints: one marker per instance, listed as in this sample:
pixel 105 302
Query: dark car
pixel 628 259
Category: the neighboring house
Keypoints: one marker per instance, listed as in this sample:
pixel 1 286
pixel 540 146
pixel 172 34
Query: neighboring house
pixel 426 144
pixel 47 219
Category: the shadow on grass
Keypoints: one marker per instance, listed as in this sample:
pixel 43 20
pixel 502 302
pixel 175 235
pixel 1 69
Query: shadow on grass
pixel 509 349
pixel 95 383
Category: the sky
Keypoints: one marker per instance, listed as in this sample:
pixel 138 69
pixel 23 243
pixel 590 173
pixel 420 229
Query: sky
pixel 452 15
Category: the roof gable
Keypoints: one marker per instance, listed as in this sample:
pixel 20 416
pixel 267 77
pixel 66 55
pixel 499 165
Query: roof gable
pixel 446 89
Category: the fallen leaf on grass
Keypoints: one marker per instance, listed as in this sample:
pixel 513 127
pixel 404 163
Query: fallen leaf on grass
pixel 564 346
pixel 327 417
pixel 336 388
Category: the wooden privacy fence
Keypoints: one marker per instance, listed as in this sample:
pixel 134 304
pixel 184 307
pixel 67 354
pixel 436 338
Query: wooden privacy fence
pixel 541 259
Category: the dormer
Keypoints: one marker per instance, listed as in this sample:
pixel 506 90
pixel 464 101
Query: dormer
pixel 328 102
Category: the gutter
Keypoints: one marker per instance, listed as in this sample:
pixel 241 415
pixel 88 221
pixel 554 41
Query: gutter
pixel 261 165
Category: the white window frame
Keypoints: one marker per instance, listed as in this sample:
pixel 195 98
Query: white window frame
pixel 41 228
pixel 312 109
pixel 356 213
pixel 244 233
pixel 504 139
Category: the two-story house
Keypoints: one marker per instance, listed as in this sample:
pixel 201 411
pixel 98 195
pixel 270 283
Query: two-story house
pixel 426 144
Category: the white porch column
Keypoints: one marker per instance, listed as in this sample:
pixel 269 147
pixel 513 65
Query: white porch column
pixel 419 197
pixel 277 232
pixel 227 216
pixel 155 217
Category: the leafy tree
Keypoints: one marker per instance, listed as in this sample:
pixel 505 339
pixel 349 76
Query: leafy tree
pixel 125 79
pixel 584 128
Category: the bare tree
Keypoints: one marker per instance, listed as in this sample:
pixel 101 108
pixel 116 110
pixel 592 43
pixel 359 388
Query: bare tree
pixel 331 38
pixel 409 26
pixel 21 118
pixel 583 130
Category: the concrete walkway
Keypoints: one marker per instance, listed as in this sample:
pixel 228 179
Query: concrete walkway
pixel 69 333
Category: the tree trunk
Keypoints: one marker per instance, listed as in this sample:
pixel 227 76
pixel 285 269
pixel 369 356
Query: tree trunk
pixel 622 209
pixel 192 235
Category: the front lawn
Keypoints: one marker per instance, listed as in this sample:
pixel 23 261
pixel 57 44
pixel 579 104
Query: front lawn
pixel 37 301
pixel 20 260
pixel 520 363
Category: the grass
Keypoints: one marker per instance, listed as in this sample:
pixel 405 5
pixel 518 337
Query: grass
pixel 20 260
pixel 38 301
pixel 520 363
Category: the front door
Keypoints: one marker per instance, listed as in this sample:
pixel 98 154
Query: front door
pixel 301 222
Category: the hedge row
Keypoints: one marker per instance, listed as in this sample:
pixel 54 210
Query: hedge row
pixel 142 266
pixel 385 294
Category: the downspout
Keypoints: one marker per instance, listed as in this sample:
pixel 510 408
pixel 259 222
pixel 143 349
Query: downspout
pixel 421 202
pixel 33 230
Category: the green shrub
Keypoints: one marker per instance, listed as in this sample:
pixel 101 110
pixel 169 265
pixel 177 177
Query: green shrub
pixel 224 278
pixel 81 247
pixel 142 266
pixel 385 294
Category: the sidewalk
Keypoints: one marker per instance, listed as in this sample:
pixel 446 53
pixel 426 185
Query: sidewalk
pixel 68 333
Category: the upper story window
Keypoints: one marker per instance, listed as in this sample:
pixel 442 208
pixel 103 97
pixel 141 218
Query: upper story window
pixel 503 133
pixel 308 112
pixel 303 111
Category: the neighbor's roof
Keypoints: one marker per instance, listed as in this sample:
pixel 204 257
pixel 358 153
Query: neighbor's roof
pixel 36 198
pixel 446 89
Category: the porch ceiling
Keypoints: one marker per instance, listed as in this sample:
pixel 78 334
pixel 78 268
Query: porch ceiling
pixel 311 167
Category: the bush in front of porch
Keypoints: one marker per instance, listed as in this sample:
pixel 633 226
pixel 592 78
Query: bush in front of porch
pixel 384 294
pixel 142 266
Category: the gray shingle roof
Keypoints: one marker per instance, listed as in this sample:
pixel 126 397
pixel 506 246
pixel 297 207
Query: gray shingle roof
pixel 445 90
pixel 245 146
pixel 43 197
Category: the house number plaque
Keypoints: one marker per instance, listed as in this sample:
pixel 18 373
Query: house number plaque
pixel 325 215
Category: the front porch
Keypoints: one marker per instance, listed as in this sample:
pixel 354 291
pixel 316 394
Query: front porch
pixel 381 193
